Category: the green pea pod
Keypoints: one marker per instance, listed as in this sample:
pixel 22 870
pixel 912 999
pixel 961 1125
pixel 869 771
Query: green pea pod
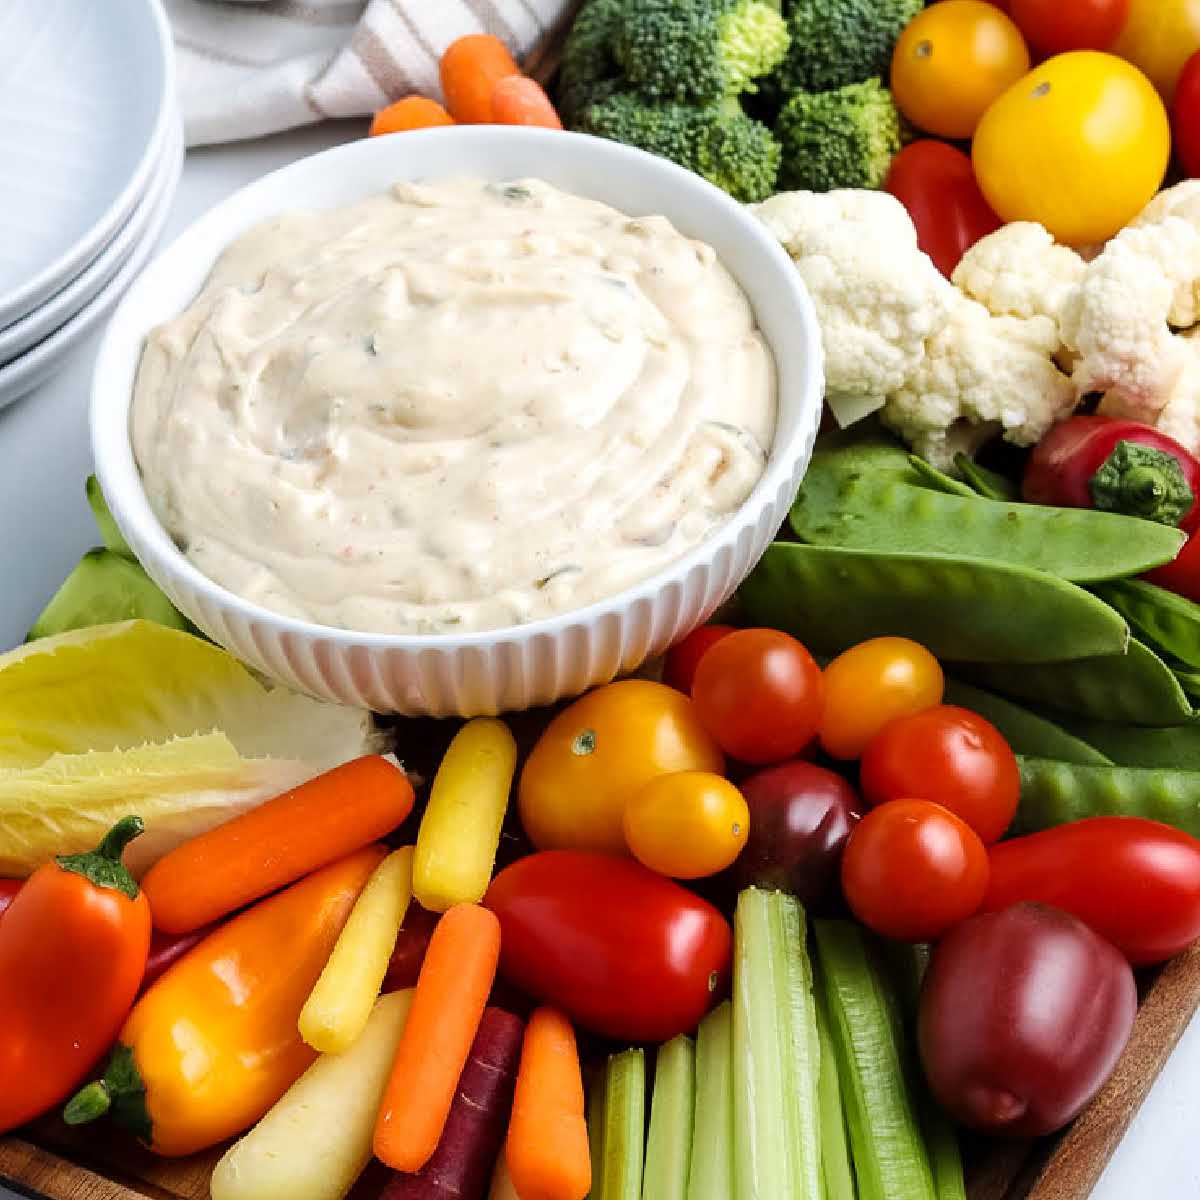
pixel 960 609
pixel 1169 623
pixel 1057 793
pixel 991 485
pixel 1189 681
pixel 1173 747
pixel 1026 732
pixel 928 476
pixel 1136 688
pixel 885 511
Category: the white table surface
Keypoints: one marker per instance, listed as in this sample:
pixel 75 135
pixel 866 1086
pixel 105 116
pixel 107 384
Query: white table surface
pixel 45 525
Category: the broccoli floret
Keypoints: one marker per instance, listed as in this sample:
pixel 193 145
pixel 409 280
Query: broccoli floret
pixel 841 139
pixel 590 71
pixel 698 51
pixel 718 141
pixel 836 42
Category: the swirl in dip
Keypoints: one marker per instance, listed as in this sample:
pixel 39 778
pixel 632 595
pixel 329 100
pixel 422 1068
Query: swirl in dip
pixel 456 406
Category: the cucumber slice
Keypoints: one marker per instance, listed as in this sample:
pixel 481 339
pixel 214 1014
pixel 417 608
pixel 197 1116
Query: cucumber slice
pixel 669 1146
pixel 890 1158
pixel 776 1053
pixel 710 1176
pixel 622 1128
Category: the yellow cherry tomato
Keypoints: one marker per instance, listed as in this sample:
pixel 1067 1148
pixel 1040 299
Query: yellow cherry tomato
pixel 1159 37
pixel 598 753
pixel 687 825
pixel 1080 145
pixel 874 683
pixel 952 61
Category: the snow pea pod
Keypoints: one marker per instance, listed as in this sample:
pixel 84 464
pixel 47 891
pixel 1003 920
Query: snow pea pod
pixel 1136 688
pixel 959 608
pixel 1167 622
pixel 1056 793
pixel 991 485
pixel 1174 746
pixel 885 511
pixel 927 475
pixel 1026 732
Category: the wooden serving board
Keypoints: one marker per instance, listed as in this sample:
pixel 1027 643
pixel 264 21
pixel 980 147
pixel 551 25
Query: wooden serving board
pixel 56 1163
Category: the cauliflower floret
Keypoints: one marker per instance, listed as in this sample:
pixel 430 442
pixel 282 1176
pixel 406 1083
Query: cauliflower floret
pixel 1117 321
pixel 877 296
pixel 894 329
pixel 1020 271
pixel 1180 415
pixel 986 373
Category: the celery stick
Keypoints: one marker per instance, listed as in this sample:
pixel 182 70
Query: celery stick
pixel 669 1146
pixel 595 1124
pixel 835 1150
pixel 619 1173
pixel 890 1159
pixel 710 1176
pixel 776 1053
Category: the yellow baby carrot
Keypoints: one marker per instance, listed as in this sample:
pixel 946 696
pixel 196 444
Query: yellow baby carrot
pixel 456 844
pixel 336 1011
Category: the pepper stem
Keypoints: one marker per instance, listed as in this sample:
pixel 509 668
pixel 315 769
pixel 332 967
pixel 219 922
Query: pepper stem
pixel 103 867
pixel 88 1104
pixel 1142 481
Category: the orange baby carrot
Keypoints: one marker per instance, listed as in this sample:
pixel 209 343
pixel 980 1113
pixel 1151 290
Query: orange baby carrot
pixel 470 68
pixel 547 1147
pixel 413 112
pixel 452 992
pixel 517 100
pixel 275 844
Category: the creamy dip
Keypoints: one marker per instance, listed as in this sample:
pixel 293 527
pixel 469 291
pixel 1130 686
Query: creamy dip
pixel 455 406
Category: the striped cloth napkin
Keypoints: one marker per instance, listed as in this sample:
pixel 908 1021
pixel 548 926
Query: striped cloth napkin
pixel 251 67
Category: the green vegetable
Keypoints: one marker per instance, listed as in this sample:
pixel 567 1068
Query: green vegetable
pixel 1167 622
pixel 1189 681
pixel 622 1125
pixel 1176 746
pixel 961 609
pixel 103 588
pixel 589 69
pixel 1135 688
pixel 1025 731
pixel 840 139
pixel 672 1111
pixel 836 1168
pixel 114 539
pixel 835 42
pixel 710 1176
pixel 1054 793
pixel 100 720
pixel 858 508
pixel 717 141
pixel 890 1159
pixel 776 1053
pixel 991 485
pixel 929 476
pixel 701 51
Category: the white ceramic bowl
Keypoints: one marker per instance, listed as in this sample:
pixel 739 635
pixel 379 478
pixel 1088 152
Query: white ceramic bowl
pixel 520 666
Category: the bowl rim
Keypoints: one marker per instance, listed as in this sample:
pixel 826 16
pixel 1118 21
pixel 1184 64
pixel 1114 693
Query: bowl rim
pixel 120 477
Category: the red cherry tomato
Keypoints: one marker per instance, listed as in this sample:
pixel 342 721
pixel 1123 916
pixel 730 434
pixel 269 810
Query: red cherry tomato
pixel 758 692
pixel 622 951
pixel 912 870
pixel 1185 115
pixel 936 183
pixel 1056 26
pixel 948 755
pixel 8 891
pixel 1182 574
pixel 1135 882
pixel 679 666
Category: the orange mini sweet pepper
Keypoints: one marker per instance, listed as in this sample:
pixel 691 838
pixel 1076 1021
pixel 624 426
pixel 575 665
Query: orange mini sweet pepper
pixel 73 947
pixel 214 1042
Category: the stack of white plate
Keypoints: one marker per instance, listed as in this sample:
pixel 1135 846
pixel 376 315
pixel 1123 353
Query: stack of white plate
pixel 91 147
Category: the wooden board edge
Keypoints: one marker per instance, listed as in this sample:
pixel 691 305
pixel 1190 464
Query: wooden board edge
pixel 36 1172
